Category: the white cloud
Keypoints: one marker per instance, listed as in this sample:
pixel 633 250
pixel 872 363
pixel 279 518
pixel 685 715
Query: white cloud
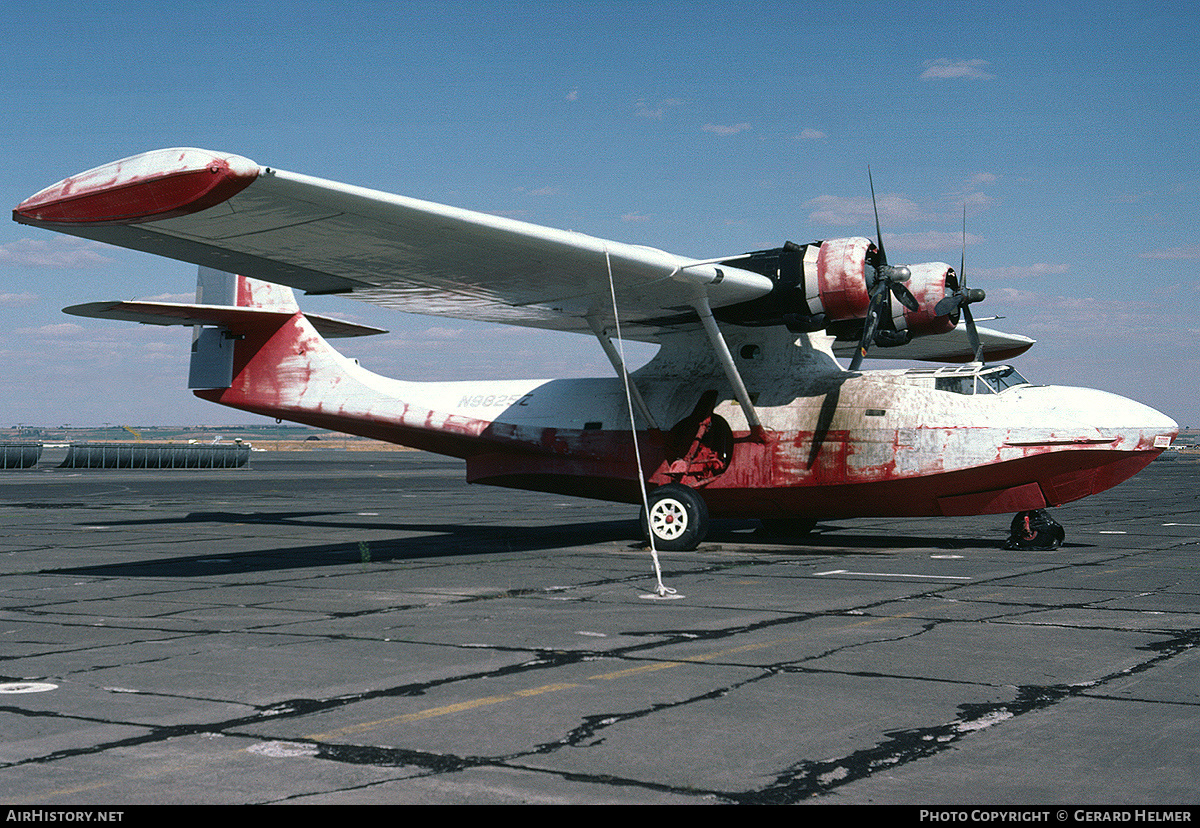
pixel 1016 273
pixel 55 331
pixel 839 211
pixel 634 217
pixel 1187 251
pixel 13 300
pixel 725 129
pixel 810 134
pixel 977 200
pixel 573 95
pixel 945 68
pixel 442 333
pixel 178 298
pixel 1076 319
pixel 928 240
pixel 540 191
pixel 59 252
pixel 646 110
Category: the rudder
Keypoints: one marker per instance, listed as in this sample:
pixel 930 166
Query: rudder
pixel 211 364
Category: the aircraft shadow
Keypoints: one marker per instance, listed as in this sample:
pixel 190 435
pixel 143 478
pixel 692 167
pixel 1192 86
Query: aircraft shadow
pixel 442 540
pixel 436 540
pixel 829 539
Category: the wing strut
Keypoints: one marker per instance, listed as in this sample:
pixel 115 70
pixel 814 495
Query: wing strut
pixel 726 360
pixel 661 590
pixel 619 364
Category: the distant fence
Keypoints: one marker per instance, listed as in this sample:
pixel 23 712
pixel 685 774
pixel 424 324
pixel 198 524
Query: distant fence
pixel 19 455
pixel 155 456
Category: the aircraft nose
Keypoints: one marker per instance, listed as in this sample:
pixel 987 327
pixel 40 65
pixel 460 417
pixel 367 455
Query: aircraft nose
pixel 1096 439
pixel 1113 411
pixel 1109 412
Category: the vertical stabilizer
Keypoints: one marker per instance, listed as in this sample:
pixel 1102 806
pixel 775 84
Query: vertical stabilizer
pixel 255 293
pixel 212 346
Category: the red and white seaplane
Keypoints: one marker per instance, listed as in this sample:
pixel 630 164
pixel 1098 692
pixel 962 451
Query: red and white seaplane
pixel 744 411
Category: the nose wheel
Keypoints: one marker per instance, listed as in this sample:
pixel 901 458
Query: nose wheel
pixel 1035 530
pixel 677 518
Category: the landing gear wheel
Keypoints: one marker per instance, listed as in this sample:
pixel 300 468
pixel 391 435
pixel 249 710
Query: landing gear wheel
pixel 1035 530
pixel 677 517
pixel 788 528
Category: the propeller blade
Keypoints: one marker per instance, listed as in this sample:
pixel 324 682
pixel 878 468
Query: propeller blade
pixel 858 358
pixel 966 297
pixel 870 324
pixel 972 333
pixel 948 304
pixel 962 263
pixel 878 232
pixel 905 296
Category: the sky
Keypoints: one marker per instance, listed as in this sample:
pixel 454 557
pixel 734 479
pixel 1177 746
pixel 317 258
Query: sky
pixel 705 129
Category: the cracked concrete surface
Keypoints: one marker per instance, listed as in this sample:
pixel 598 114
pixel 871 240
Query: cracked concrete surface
pixel 338 628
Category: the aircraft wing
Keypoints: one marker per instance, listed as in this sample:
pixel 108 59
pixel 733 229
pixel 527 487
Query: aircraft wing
pixel 227 212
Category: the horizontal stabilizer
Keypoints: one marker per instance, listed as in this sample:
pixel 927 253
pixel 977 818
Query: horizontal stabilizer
pixel 228 316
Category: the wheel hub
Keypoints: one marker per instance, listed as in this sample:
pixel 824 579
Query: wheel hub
pixel 668 519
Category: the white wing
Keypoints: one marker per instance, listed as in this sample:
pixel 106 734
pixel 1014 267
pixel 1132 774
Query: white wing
pixel 226 212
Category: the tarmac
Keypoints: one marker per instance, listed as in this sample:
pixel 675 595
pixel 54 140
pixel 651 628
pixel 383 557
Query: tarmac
pixel 364 627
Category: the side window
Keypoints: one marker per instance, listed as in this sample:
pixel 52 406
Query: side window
pixel 956 385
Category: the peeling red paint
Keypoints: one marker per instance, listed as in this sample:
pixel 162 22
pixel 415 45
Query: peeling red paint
pixel 841 277
pixel 928 287
pixel 148 187
pixel 921 452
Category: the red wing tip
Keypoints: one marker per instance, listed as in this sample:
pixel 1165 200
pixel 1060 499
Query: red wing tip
pixel 146 187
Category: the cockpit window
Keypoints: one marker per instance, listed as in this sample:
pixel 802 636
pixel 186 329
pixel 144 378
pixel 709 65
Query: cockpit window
pixel 967 381
pixel 1002 378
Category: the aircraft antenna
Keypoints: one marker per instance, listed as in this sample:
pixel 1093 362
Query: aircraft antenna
pixel 661 590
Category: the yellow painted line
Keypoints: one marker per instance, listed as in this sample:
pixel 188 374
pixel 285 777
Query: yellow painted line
pixel 73 791
pixel 433 712
pixel 546 688
pixel 450 708
pixel 485 701
pixel 645 668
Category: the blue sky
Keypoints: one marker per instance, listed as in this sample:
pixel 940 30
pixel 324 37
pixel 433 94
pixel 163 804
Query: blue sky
pixel 706 129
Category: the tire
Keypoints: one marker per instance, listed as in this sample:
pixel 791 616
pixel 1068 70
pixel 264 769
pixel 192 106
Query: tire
pixel 678 518
pixel 1035 530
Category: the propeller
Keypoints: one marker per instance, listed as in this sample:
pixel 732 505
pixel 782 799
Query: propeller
pixel 964 298
pixel 888 278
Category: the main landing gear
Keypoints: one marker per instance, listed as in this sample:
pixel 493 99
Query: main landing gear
pixel 1034 530
pixel 677 518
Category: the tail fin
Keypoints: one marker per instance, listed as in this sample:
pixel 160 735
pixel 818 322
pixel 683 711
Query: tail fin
pixel 229 308
pixel 214 287
pixel 211 365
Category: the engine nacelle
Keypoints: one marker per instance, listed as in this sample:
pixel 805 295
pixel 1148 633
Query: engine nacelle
pixel 836 277
pixel 827 284
pixel 839 274
pixel 930 282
